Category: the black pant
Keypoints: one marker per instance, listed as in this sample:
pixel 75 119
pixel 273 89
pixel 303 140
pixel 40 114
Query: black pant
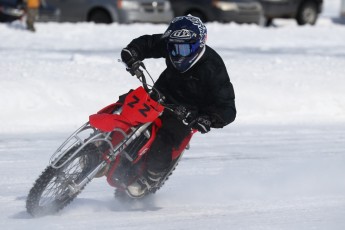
pixel 169 136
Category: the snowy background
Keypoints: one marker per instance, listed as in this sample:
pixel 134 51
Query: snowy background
pixel 280 165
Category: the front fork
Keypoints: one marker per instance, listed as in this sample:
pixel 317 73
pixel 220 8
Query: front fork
pixel 115 151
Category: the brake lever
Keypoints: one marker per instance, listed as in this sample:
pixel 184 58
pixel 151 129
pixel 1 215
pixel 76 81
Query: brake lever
pixel 190 124
pixel 185 121
pixel 135 69
pixel 186 116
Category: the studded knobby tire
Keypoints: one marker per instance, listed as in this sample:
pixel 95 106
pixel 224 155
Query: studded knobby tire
pixel 50 192
pixel 164 180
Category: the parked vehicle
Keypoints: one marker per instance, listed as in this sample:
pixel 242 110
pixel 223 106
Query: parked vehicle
pixel 239 11
pixel 108 11
pixel 98 11
pixel 157 11
pixel 11 10
pixel 304 11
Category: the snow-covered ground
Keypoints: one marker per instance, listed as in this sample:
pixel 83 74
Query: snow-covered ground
pixel 280 165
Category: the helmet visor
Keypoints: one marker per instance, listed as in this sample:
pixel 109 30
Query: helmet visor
pixel 182 50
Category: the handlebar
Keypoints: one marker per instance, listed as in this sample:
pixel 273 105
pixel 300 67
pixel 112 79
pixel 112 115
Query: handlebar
pixel 136 71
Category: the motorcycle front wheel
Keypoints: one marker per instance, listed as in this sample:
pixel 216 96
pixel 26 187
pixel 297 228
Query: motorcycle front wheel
pixel 53 191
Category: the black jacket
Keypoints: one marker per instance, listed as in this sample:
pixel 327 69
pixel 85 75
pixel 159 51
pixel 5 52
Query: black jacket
pixel 205 86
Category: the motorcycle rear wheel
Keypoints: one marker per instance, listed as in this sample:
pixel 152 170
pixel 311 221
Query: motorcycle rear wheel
pixel 52 190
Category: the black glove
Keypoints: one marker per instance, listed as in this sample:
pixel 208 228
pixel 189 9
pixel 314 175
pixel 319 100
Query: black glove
pixel 180 112
pixel 129 56
pixel 187 115
pixel 202 124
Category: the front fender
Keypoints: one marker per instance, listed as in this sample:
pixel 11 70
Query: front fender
pixel 108 122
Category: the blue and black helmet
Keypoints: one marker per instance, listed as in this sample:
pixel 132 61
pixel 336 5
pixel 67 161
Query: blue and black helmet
pixel 186 41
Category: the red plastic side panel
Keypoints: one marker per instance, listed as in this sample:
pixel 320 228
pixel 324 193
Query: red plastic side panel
pixel 157 125
pixel 177 152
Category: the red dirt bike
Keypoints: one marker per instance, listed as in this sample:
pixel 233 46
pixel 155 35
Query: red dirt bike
pixel 113 143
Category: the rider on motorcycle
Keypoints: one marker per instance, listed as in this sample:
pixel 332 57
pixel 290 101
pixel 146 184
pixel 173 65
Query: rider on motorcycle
pixel 195 78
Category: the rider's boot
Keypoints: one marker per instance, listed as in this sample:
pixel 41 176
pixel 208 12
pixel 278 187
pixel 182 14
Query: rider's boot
pixel 144 183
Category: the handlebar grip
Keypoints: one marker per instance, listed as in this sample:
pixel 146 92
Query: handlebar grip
pixel 138 73
pixel 135 69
